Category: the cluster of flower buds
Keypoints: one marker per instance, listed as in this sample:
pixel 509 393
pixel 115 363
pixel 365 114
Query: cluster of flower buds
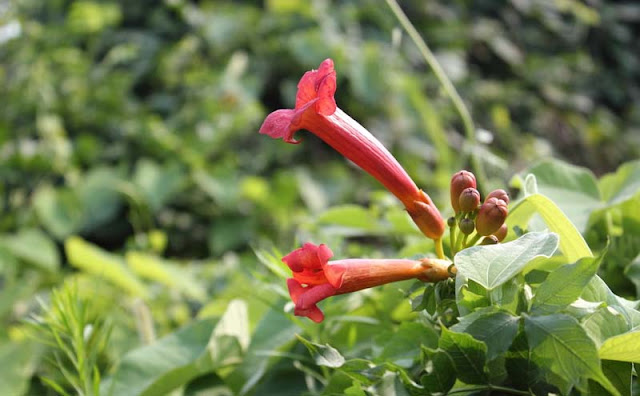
pixel 475 220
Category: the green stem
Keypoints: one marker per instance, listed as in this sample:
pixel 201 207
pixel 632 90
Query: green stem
pixel 452 239
pixel 488 388
pixel 447 85
pixel 474 240
pixel 439 248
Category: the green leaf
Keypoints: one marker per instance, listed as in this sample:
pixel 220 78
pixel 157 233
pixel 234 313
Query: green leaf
pixel 624 347
pixel 351 216
pixel 572 243
pixel 493 265
pixel 559 343
pixel 273 334
pixel 165 272
pixel 34 247
pixel 400 348
pixel 164 365
pixel 18 362
pixel 157 183
pixel 95 261
pixel 632 272
pixel 622 185
pixel 467 354
pixel 495 328
pixel 572 188
pixel 598 291
pixel 605 323
pixel 439 374
pixel 60 211
pixel 323 355
pixel 99 196
pixel 620 375
pixel 564 285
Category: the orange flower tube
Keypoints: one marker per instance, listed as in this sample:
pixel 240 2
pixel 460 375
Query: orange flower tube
pixel 317 112
pixel 316 278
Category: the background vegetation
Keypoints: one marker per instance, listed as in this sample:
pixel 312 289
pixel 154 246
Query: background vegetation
pixel 132 175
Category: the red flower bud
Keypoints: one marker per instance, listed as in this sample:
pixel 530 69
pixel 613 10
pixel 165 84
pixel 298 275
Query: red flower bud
pixel 500 194
pixel 489 240
pixel 469 200
pixel 501 233
pixel 491 216
pixel 459 182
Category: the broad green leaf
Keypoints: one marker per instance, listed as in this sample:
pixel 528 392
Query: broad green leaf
pixel 168 273
pixel 572 188
pixel 323 355
pixel 496 329
pixel 525 373
pixel 400 348
pixel 564 285
pixel 468 355
pixel 235 323
pixel 351 216
pixel 605 323
pixel 59 210
pixel 624 347
pixel 95 261
pixel 622 185
pixel 572 243
pixel 439 374
pixel 18 362
pixel 34 247
pixel 559 343
pixel 273 334
pixel 598 291
pixel 493 265
pixel 620 375
pixel 160 367
pixel 99 196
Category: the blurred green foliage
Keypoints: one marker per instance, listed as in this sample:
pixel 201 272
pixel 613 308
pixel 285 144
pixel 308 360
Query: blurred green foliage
pixel 130 161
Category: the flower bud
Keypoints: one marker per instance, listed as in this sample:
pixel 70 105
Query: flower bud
pixel 451 221
pixel 500 194
pixel 467 226
pixel 489 240
pixel 491 216
pixel 459 182
pixel 469 200
pixel 501 233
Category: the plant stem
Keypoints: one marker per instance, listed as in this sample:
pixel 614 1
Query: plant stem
pixel 439 248
pixel 452 239
pixel 447 85
pixel 489 388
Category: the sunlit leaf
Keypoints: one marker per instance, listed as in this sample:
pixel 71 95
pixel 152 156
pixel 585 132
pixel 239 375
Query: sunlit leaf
pixel 493 265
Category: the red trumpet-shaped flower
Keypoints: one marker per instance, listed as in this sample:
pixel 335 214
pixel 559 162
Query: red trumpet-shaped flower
pixel 316 111
pixel 316 278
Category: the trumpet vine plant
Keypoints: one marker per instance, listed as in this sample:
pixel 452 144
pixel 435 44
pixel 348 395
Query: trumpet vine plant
pixel 509 300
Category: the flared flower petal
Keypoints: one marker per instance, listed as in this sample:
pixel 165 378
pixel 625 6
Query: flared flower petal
pixel 316 111
pixel 315 278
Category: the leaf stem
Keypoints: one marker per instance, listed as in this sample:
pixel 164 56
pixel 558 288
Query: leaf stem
pixel 447 85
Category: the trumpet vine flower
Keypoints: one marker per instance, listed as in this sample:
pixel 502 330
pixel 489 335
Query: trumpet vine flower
pixel 316 111
pixel 316 278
